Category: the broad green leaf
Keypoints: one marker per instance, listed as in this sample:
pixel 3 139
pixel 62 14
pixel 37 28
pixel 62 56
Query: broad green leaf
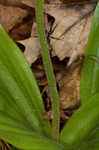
pixel 22 80
pixel 28 140
pixel 8 119
pixel 9 106
pixel 12 148
pixel 82 123
pixel 92 142
pixel 90 72
pixel 23 138
pixel 10 87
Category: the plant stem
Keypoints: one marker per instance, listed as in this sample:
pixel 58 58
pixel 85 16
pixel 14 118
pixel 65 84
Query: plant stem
pixel 48 70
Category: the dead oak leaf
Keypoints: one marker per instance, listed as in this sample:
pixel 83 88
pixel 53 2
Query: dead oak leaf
pixel 72 28
pixel 13 16
pixel 32 49
pixel 32 44
pixel 30 3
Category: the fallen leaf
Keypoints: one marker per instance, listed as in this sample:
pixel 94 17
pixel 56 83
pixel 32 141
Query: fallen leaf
pixel 30 3
pixel 32 44
pixel 70 89
pixel 32 49
pixel 22 30
pixel 72 29
pixel 13 16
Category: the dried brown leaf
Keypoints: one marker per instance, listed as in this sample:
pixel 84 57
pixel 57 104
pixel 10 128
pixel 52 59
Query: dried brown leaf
pixel 32 49
pixel 30 3
pixel 72 28
pixel 10 16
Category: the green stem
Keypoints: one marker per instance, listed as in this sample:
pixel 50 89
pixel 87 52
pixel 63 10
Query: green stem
pixel 48 69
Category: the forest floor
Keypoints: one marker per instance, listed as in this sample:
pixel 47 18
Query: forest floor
pixel 67 26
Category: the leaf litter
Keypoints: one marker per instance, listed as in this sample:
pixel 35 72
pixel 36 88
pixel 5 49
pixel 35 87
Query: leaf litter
pixel 67 29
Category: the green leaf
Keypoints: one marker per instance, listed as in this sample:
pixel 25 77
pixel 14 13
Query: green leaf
pixel 9 106
pixel 18 83
pixel 82 123
pixel 8 119
pixel 90 72
pixel 92 142
pixel 10 87
pixel 28 140
pixel 21 137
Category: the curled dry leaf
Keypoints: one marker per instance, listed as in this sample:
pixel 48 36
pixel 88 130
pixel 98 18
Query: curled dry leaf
pixel 32 44
pixel 32 49
pixel 70 34
pixel 72 29
pixel 15 3
pixel 30 3
pixel 13 16
pixel 70 89
pixel 10 2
